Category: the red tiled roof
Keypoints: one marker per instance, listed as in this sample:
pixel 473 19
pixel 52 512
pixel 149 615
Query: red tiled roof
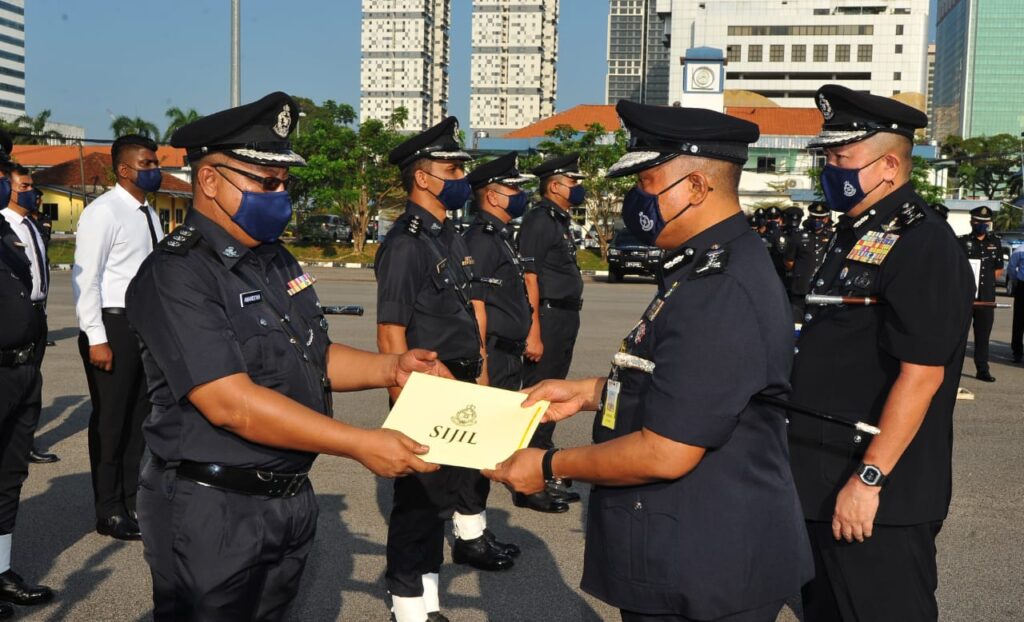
pixel 51 155
pixel 98 172
pixel 578 117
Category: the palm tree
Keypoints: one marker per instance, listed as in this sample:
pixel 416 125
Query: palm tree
pixel 30 130
pixel 179 118
pixel 124 125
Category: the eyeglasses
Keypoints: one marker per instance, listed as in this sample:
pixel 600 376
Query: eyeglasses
pixel 268 184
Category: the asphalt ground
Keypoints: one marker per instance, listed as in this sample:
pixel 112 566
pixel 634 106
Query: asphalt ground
pixel 97 578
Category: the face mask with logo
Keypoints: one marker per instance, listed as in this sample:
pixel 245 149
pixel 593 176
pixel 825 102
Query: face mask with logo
pixel 841 186
pixel 642 214
pixel 262 215
pixel 516 206
pixel 148 179
pixel 979 228
pixel 815 224
pixel 577 194
pixel 454 194
pixel 5 191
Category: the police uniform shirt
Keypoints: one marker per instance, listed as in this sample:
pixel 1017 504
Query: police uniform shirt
pixel 499 273
pixel 206 307
pixel 423 270
pixel 35 249
pixel 22 324
pixel 848 357
pixel 546 245
pixel 728 536
pixel 806 251
pixel 989 251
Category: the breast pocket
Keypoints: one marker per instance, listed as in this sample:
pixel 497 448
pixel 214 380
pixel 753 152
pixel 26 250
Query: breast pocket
pixel 254 329
pixel 642 536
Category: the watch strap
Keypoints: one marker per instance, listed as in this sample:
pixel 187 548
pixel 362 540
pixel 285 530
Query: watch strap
pixel 545 464
pixel 882 477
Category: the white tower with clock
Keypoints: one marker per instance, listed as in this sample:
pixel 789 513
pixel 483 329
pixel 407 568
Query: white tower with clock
pixel 703 79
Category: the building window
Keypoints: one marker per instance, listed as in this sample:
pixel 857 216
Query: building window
pixel 776 53
pixel 734 53
pixel 899 48
pixel 754 54
pixel 897 75
pixel 864 53
pixel 842 53
pixel 899 29
pixel 766 164
pixel 821 53
pixel 798 53
pixel 50 210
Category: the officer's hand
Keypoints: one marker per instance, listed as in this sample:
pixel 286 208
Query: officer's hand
pixel 389 453
pixel 534 346
pixel 522 472
pixel 856 506
pixel 101 356
pixel 567 397
pixel 419 360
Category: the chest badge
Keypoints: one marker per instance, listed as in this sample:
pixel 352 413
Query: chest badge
pixel 873 247
pixel 250 298
pixel 230 252
pixel 300 283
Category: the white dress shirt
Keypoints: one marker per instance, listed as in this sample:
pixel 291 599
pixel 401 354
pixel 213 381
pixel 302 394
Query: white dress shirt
pixel 112 241
pixel 29 236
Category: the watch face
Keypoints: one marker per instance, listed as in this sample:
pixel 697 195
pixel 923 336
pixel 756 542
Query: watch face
pixel 870 475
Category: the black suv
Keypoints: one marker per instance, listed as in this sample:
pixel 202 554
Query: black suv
pixel 628 256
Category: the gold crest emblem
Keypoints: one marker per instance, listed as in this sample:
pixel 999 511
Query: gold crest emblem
pixel 465 417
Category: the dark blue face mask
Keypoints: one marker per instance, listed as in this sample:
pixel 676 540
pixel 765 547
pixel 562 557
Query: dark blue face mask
pixel 815 224
pixel 262 215
pixel 516 206
pixel 979 228
pixel 577 194
pixel 148 179
pixel 454 194
pixel 841 186
pixel 27 200
pixel 642 214
pixel 5 192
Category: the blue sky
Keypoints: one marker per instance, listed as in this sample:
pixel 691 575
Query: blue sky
pixel 89 59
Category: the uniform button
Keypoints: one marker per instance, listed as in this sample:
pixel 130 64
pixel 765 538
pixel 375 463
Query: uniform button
pixel 638 506
pixel 305 357
pixel 263 322
pixel 292 341
pixel 796 350
pixel 807 317
pixel 838 251
pixel 287 318
pixel 848 282
pixel 820 282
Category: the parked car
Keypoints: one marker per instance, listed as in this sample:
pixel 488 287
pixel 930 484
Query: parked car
pixel 1011 240
pixel 626 255
pixel 325 227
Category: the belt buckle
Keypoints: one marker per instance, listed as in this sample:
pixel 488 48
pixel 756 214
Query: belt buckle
pixel 293 487
pixel 22 356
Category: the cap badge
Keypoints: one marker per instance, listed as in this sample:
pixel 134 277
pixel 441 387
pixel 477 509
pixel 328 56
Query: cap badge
pixel 848 189
pixel 646 222
pixel 284 121
pixel 825 108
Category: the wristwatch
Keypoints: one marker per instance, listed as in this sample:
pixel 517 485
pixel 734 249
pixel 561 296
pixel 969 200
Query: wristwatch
pixel 545 464
pixel 871 475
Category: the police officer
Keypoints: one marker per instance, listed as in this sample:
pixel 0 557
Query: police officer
pixel 22 342
pixel 694 515
pixel 554 285
pixel 241 370
pixel 987 250
pixel 776 240
pixel 424 272
pixel 873 507
pixel 805 253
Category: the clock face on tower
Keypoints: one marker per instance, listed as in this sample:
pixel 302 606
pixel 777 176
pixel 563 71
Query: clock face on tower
pixel 702 79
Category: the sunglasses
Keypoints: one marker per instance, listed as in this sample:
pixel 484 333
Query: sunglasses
pixel 268 184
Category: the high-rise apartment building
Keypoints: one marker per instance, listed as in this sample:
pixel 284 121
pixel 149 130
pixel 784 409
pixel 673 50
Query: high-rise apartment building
pixel 12 58
pixel 512 77
pixel 638 51
pixel 405 60
pixel 786 49
pixel 930 90
pixel 978 88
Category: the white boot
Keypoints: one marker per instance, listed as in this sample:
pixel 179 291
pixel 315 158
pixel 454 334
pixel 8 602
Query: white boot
pixel 408 609
pixel 468 527
pixel 5 552
pixel 431 597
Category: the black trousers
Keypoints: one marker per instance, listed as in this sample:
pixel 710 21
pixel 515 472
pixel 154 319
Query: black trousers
pixel 983 319
pixel 558 330
pixel 1017 332
pixel 422 504
pixel 222 556
pixel 119 406
pixel 767 613
pixel 891 576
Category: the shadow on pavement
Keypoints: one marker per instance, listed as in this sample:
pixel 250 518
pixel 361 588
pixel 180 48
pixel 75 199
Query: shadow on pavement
pixel 75 421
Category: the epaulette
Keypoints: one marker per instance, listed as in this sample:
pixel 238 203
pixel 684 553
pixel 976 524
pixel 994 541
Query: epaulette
pixel 489 227
pixel 676 259
pixel 414 226
pixel 908 215
pixel 180 241
pixel 713 261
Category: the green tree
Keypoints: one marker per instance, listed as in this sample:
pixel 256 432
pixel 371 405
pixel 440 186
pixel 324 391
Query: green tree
pixel 1007 218
pixel 985 165
pixel 29 130
pixel 124 125
pixel 179 118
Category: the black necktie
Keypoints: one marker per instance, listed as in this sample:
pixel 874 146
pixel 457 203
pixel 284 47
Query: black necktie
pixel 40 261
pixel 149 223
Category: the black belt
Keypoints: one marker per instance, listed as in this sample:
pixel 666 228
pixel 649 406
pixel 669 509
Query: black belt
pixel 465 369
pixel 244 481
pixel 511 346
pixel 16 356
pixel 569 304
pixel 114 310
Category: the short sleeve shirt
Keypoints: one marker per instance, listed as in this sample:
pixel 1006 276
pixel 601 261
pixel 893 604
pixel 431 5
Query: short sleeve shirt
pixel 206 307
pixel 499 277
pixel 546 245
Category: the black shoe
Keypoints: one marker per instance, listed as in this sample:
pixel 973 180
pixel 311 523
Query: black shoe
pixel 1018 358
pixel 479 554
pixel 435 616
pixel 13 589
pixel 540 502
pixel 559 489
pixel 984 376
pixel 119 527
pixel 41 457
pixel 505 548
pixel 6 611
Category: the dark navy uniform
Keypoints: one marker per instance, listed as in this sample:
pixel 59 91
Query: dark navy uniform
pixel 848 359
pixel 806 252
pixel 988 252
pixel 227 523
pixel 547 248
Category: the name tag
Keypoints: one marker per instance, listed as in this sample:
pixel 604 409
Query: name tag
pixel 250 298
pixel 611 404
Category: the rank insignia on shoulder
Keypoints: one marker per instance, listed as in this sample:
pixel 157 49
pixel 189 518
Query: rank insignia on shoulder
pixel 713 261
pixel 435 227
pixel 414 225
pixel 182 239
pixel 490 228
pixel 230 252
pixel 909 214
pixel 300 283
pixel 873 247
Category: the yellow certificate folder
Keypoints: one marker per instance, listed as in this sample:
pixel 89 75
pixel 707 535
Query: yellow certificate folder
pixel 465 425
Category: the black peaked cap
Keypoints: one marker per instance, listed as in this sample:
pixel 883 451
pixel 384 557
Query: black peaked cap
pixel 851 116
pixel 502 170
pixel 567 165
pixel 437 143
